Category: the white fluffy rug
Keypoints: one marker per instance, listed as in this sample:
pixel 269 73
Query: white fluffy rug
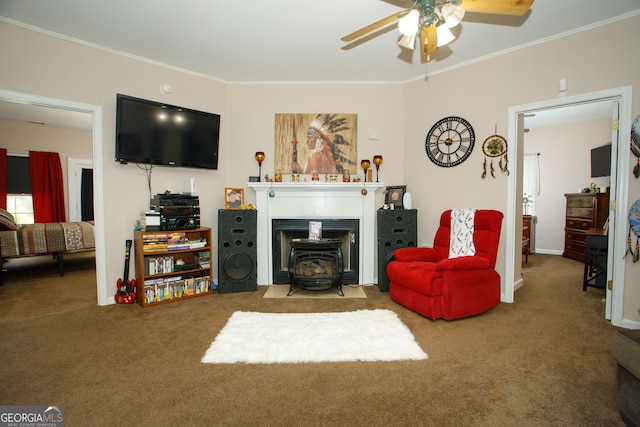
pixel 363 335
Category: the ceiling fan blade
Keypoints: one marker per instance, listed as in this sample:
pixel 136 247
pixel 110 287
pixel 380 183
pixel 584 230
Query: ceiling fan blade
pixel 498 7
pixel 372 27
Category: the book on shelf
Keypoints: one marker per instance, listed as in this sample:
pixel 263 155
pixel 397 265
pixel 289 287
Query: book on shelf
pixel 178 247
pixel 158 264
pixel 154 246
pixel 187 245
pixel 158 290
pixel 195 244
pixel 177 237
pixel 150 237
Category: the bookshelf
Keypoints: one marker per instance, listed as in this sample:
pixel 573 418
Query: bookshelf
pixel 172 265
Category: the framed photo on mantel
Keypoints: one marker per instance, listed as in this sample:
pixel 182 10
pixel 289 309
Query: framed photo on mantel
pixel 233 198
pixel 394 194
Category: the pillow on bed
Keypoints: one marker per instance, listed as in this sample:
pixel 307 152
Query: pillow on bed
pixel 6 221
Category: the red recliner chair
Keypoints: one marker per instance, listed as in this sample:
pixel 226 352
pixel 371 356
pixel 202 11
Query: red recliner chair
pixel 427 281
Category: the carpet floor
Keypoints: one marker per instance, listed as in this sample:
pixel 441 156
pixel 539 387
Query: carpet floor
pixel 543 360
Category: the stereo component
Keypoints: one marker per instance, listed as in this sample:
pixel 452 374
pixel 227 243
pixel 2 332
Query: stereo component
pixel 237 251
pixel 397 228
pixel 177 211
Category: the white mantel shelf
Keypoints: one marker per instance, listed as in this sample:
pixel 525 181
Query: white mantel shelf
pixel 316 200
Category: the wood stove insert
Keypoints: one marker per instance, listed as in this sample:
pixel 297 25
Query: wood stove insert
pixel 315 264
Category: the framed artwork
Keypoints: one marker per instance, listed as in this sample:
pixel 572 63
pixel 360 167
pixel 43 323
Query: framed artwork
pixel 393 195
pixel 233 198
pixel 321 143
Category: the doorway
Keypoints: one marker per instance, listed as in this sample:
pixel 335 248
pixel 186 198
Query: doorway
pixel 619 181
pixel 96 115
pixel 557 145
pixel 80 189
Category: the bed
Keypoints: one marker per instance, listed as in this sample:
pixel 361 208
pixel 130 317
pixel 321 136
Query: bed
pixel 56 238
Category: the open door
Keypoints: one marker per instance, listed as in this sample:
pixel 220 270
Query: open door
pixel 615 137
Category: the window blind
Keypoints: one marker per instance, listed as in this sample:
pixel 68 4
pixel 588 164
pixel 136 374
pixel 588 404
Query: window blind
pixel 18 181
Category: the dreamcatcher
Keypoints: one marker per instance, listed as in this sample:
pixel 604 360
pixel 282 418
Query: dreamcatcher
pixel 635 144
pixel 634 226
pixel 495 146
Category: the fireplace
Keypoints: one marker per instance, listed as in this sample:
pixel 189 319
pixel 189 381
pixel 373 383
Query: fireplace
pixel 344 230
pixel 316 264
pixel 318 201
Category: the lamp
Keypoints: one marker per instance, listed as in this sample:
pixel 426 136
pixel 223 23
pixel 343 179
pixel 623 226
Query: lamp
pixel 443 35
pixel 377 160
pixel 259 159
pixel 452 14
pixel 432 19
pixel 425 16
pixel 365 164
pixel 408 25
pixel 408 42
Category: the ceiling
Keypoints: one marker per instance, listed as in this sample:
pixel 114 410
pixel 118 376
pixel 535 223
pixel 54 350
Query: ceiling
pixel 293 41
pixel 286 40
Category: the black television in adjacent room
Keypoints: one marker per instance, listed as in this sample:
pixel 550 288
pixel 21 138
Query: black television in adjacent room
pixel 160 134
pixel 601 161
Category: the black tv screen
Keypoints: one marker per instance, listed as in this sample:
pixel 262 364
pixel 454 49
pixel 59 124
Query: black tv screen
pixel 159 134
pixel 601 161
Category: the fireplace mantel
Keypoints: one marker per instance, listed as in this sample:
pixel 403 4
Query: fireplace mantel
pixel 316 200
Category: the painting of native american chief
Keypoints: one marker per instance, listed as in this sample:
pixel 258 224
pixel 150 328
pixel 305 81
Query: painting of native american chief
pixel 316 143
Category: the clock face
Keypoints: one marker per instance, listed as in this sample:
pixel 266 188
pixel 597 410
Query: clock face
pixel 450 141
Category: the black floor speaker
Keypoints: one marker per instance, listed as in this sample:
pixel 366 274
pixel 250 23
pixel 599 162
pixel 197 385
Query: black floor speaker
pixel 397 228
pixel 237 253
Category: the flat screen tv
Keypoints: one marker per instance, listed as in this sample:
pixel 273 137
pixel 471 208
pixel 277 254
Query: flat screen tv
pixel 601 161
pixel 159 134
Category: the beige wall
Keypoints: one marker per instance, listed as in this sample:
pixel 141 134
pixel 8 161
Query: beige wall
pixel 252 109
pixel 34 137
pixel 400 114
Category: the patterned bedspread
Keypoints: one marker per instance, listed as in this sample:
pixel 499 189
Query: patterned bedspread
pixel 47 238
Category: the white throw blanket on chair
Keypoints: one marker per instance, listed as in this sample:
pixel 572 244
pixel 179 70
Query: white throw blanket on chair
pixel 462 226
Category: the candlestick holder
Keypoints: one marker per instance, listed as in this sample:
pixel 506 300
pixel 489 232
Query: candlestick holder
pixel 365 164
pixel 377 160
pixel 259 159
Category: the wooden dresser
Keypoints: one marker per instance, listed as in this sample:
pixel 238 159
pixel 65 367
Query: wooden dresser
pixel 529 231
pixel 584 211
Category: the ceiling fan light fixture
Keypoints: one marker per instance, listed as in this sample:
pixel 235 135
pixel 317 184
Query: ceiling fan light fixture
pixel 408 42
pixel 452 14
pixel 444 34
pixel 408 25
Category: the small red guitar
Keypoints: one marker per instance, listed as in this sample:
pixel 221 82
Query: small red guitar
pixel 126 293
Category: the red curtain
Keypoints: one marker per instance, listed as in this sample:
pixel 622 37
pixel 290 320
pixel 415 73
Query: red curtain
pixel 47 187
pixel 3 178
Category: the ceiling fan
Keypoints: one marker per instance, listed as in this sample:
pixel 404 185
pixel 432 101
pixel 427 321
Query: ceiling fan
pixel 433 18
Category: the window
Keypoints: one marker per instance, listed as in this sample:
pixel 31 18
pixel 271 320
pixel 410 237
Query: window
pixel 21 207
pixel 530 183
pixel 19 200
